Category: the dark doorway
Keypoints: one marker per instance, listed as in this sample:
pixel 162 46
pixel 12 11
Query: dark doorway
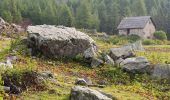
pixel 128 31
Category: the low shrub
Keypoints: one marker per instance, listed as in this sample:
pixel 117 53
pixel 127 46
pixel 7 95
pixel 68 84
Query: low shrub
pixel 148 42
pixel 161 35
pixel 118 40
pixel 121 40
pixel 133 38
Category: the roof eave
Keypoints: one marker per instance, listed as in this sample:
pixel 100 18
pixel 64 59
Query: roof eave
pixel 130 28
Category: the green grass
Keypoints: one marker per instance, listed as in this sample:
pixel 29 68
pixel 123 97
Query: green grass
pixel 44 96
pixel 156 57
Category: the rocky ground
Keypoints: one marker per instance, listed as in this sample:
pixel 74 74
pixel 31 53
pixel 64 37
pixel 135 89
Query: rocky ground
pixel 96 73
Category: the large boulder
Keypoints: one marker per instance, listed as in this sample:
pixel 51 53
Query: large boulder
pixel 123 52
pixel 136 65
pixel 85 93
pixel 58 41
pixel 161 71
pixel 126 51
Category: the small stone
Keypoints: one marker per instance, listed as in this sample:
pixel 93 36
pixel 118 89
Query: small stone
pixel 118 61
pixel 12 58
pixel 96 62
pixel 102 82
pixel 6 89
pixel 90 52
pixel 88 80
pixel 101 86
pixel 81 81
pixel 109 60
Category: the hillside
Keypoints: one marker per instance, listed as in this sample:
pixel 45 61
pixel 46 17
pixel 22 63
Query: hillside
pixel 118 83
pixel 84 50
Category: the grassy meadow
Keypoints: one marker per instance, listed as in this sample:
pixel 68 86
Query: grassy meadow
pixel 120 84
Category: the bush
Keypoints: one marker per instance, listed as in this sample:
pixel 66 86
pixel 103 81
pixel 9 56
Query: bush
pixel 133 38
pixel 161 35
pixel 121 40
pixel 118 40
pixel 148 42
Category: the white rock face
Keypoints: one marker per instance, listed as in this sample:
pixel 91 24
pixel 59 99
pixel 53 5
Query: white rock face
pixel 85 93
pixel 58 41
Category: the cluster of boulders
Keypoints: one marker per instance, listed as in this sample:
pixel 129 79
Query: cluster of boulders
pixel 8 28
pixel 125 58
pixel 116 57
pixel 59 41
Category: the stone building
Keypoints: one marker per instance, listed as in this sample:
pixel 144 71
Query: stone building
pixel 142 26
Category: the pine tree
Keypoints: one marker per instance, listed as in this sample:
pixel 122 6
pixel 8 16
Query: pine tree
pixel 139 8
pixel 83 15
pixel 66 17
pixel 6 15
pixel 102 11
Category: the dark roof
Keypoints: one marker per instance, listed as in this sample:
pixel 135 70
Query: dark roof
pixel 134 22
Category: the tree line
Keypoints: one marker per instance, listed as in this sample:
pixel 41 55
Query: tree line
pixel 102 15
